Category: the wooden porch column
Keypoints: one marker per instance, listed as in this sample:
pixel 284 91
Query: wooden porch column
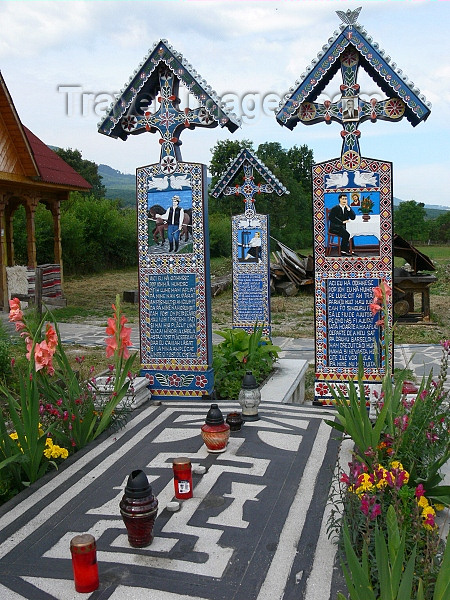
pixel 9 234
pixel 3 256
pixel 30 208
pixel 56 213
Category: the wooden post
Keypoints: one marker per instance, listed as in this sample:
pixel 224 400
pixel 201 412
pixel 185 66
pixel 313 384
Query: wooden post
pixel 38 290
pixel 3 259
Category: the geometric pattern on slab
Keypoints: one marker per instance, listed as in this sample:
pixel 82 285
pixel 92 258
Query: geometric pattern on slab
pixel 271 483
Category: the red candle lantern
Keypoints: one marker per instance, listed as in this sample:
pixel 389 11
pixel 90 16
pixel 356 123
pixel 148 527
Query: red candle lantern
pixel 215 432
pixel 84 563
pixel 139 508
pixel 182 477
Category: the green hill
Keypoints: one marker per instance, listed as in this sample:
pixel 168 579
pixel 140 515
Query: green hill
pixel 119 185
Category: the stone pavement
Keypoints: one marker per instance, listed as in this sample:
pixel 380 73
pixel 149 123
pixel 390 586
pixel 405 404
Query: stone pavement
pixel 420 358
pixel 254 530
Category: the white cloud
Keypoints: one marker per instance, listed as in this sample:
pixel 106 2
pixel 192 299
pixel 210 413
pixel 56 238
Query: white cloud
pixel 242 47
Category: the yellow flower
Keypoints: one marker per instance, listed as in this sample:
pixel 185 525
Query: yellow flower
pixel 381 484
pixel 395 464
pixel 428 510
pixel 422 502
pixel 439 506
pixel 14 435
pixel 366 484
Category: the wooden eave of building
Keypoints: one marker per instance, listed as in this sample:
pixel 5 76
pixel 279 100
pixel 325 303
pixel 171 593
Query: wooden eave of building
pixel 17 143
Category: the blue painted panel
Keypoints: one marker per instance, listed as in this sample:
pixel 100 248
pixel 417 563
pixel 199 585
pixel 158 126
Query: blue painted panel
pixel 173 323
pixel 351 329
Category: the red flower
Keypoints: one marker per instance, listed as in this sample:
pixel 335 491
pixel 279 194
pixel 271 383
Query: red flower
pixel 374 308
pixel 174 380
pixel 201 381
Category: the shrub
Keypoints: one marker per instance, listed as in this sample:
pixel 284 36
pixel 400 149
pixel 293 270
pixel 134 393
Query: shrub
pixel 238 353
pixel 219 235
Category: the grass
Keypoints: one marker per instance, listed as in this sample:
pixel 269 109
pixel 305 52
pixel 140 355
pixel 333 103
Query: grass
pixel 90 297
pixel 89 300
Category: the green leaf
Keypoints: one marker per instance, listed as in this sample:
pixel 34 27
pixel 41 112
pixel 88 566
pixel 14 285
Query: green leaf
pixel 442 586
pixel 404 592
pixel 356 577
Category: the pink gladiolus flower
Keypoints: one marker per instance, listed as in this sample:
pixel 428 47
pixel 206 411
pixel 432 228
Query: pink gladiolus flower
pixel 111 346
pixel 386 289
pixel 51 337
pixel 378 292
pixel 111 328
pixel 374 308
pixel 15 314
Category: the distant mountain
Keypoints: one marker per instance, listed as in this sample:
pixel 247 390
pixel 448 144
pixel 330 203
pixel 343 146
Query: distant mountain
pixel 118 185
pixel 433 210
pixel 123 186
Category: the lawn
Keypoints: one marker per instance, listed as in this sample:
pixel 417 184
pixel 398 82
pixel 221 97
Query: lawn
pixel 90 297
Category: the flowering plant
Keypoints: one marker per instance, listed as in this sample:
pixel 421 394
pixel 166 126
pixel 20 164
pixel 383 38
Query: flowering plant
pixel 24 452
pixel 394 474
pixel 54 403
pixel 82 413
pixel 238 353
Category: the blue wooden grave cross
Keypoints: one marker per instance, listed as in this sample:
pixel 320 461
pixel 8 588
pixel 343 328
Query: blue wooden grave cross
pixel 168 120
pixel 248 189
pixel 348 49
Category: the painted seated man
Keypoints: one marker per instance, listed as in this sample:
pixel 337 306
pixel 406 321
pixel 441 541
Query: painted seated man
pixel 174 216
pixel 338 216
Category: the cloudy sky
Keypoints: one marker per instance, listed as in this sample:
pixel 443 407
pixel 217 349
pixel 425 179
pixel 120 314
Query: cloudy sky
pixel 64 61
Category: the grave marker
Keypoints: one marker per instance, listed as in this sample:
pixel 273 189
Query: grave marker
pixel 250 240
pixel 346 270
pixel 174 289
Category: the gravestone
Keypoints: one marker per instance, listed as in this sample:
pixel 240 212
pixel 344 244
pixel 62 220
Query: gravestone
pixel 174 289
pixel 250 240
pixel 351 258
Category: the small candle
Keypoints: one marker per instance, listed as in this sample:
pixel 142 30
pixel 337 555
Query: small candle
pixel 182 477
pixel 84 562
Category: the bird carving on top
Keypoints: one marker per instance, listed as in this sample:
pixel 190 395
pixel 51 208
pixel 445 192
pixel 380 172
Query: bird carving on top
pixel 349 17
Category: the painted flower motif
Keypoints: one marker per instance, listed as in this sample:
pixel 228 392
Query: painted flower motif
pixel 150 378
pixel 201 381
pixel 321 389
pixel 174 380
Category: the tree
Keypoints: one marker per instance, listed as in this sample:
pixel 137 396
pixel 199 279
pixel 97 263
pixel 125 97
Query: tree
pixel 440 228
pixel 409 221
pixel 86 168
pixel 290 215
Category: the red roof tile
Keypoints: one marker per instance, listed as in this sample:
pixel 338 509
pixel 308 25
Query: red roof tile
pixel 52 168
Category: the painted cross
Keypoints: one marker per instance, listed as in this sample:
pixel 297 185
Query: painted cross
pixel 248 189
pixel 168 120
pixel 347 50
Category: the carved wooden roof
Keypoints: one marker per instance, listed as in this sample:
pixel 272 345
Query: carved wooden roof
pixel 24 158
pixel 145 84
pixel 246 157
pixel 374 60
